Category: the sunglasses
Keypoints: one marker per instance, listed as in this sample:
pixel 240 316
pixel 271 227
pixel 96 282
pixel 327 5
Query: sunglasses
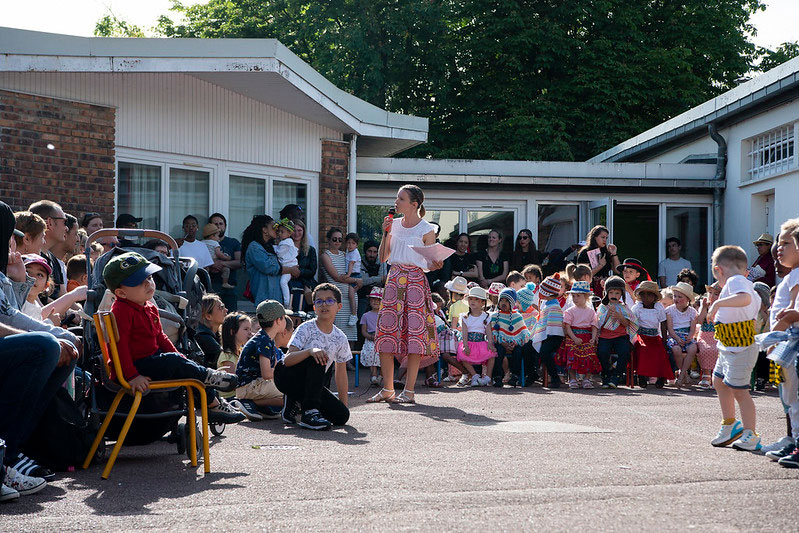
pixel 523 237
pixel 336 239
pixel 329 301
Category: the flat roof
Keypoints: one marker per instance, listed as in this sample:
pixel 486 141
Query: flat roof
pixel 262 69
pixel 781 82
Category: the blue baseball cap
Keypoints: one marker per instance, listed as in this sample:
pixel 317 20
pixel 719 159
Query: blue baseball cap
pixel 129 270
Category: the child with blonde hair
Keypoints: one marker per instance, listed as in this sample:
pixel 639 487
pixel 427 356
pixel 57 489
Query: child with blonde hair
pixel 578 351
pixel 474 348
pixel 681 326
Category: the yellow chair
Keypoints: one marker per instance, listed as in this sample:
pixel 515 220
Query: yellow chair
pixel 108 336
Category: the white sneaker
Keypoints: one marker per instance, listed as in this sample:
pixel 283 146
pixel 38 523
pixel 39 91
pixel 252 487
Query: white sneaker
pixel 485 381
pixel 749 442
pixel 780 444
pixel 23 484
pixel 463 381
pixel 7 494
pixel 353 321
pixel 476 381
pixel 728 433
pixel 694 374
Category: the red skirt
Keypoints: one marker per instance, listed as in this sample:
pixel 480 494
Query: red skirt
pixel 651 359
pixel 578 357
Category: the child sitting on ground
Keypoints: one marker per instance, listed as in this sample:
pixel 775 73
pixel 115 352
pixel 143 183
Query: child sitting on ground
pixel 734 314
pixel 617 330
pixel 578 351
pixel 651 359
pixel 236 331
pixel 353 259
pixel 474 349
pixel 510 335
pixel 369 357
pixel 287 253
pixel 681 324
pixel 145 352
pixel 548 331
pixel 212 239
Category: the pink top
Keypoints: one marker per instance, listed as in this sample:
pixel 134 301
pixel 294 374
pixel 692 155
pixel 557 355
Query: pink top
pixel 580 317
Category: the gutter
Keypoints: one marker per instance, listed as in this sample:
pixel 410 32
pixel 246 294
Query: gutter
pixel 352 219
pixel 720 176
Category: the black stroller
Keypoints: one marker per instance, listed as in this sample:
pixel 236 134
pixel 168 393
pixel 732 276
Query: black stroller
pixel 180 286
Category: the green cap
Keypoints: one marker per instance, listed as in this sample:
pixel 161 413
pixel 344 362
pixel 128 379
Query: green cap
pixel 269 310
pixel 128 269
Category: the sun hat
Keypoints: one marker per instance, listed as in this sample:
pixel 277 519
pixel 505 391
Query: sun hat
pixel 635 264
pixel 650 287
pixel 36 259
pixel 478 292
pixel 376 292
pixel 509 294
pixel 129 270
pixel 764 238
pixel 458 285
pixel 764 291
pixel 495 288
pixel 471 284
pixel 209 229
pixel 685 289
pixel 580 287
pixel 613 282
pixel 714 286
pixel 269 310
pixel 550 287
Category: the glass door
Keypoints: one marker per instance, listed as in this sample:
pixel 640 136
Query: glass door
pixel 600 213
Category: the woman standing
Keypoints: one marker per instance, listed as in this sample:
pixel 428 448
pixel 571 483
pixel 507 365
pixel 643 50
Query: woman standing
pixel 525 253
pixel 261 262
pixel 406 326
pixel 334 270
pixel 492 263
pixel 308 263
pixel 607 260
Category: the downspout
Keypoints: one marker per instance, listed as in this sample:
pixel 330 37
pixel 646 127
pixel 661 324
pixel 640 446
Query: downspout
pixel 721 175
pixel 352 219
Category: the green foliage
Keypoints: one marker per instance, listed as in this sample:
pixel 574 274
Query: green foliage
pixel 774 58
pixel 506 79
pixel 111 26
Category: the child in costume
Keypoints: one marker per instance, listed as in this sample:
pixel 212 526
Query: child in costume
pixel 475 332
pixel 369 357
pixel 548 331
pixel 651 359
pixel 510 335
pixel 617 330
pixel 708 352
pixel 578 351
pixel 681 325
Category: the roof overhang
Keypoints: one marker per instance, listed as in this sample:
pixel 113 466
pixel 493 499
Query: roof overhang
pixel 770 89
pixel 261 69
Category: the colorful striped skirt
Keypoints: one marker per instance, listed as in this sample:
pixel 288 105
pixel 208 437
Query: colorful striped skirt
pixel 405 323
pixel 581 358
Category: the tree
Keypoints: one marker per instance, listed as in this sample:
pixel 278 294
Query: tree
pixel 111 26
pixel 774 58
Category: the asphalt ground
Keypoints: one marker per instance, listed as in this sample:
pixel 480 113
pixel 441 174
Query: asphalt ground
pixel 464 459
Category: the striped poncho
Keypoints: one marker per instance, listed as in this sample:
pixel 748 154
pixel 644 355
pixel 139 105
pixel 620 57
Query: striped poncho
pixel 550 323
pixel 606 320
pixel 510 327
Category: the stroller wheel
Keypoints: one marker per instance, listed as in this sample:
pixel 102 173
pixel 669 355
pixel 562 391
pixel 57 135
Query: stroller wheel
pixel 184 431
pixel 181 437
pixel 217 429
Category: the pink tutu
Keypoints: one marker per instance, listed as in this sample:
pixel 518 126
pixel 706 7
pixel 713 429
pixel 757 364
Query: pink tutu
pixel 478 353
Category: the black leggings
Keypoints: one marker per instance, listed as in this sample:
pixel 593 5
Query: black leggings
pixel 303 383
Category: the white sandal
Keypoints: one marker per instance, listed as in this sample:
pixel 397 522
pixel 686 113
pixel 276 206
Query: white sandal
pixel 379 397
pixel 403 397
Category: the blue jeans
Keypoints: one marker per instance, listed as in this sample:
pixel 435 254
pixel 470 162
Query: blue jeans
pixel 547 355
pixel 171 365
pixel 621 346
pixel 514 360
pixel 29 377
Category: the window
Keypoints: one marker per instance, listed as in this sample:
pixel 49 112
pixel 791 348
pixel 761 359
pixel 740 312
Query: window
pixel 188 195
pixel 370 222
pixel 448 221
pixel 558 226
pixel 140 193
pixel 480 224
pixel 771 153
pixel 247 199
pixel 287 192
pixel 690 225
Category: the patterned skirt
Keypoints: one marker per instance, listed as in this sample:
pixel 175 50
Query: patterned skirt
pixel 578 357
pixel 683 334
pixel 708 350
pixel 405 323
pixel 369 357
pixel 447 339
pixel 651 359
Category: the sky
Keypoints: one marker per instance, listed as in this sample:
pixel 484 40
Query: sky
pixel 776 25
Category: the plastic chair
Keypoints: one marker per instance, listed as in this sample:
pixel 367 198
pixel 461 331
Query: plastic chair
pixel 108 336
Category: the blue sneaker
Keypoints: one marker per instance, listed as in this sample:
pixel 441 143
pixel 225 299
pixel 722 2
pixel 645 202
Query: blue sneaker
pixel 728 433
pixel 749 442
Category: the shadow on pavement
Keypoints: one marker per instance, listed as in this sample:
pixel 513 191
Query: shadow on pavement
pixel 340 434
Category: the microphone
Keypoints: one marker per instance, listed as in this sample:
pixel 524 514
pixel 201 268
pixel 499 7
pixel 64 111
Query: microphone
pixel 391 213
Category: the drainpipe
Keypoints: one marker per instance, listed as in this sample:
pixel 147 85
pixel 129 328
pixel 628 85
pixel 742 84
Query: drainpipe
pixel 352 220
pixel 721 174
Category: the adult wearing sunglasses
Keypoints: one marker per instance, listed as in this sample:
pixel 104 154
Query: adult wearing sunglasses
pixel 333 269
pixel 525 252
pixel 56 232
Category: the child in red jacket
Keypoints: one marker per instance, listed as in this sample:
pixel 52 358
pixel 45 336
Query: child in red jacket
pixel 145 352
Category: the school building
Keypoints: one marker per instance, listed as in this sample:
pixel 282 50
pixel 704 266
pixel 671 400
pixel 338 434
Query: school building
pixel 165 127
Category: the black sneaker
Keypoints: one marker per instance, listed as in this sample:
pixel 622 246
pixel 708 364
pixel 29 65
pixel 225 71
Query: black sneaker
pixel 785 451
pixel 660 382
pixel 643 382
pixel 498 382
pixel 790 461
pixel 291 408
pixel 554 383
pixel 312 419
pixel 220 380
pixel 224 413
pixel 612 384
pixel 28 467
pixel 513 381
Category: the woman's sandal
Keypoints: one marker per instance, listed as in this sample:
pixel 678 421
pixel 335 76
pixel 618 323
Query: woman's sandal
pixel 379 397
pixel 403 397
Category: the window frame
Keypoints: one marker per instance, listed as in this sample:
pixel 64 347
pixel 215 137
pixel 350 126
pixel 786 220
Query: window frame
pixel 750 173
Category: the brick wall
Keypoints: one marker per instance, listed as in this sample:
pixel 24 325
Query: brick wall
pixel 333 188
pixel 78 172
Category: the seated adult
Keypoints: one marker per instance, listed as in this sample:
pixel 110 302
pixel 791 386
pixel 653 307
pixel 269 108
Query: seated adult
pixel 461 263
pixel 193 247
pixel 373 274
pixel 525 252
pixel 232 248
pixel 56 232
pixel 492 263
pixel 207 336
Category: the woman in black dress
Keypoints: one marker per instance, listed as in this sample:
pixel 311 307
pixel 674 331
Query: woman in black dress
pixel 461 263
pixel 525 252
pixel 492 263
pixel 605 262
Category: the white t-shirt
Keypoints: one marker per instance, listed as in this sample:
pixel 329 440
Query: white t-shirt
pixel 782 296
pixel 729 315
pixel 682 319
pixel 649 318
pixel 354 256
pixel 669 268
pixel 403 238
pixel 335 344
pixel 475 324
pixel 287 252
pixel 198 250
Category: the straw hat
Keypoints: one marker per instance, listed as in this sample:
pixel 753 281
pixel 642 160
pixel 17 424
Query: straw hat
pixel 715 286
pixel 650 287
pixel 580 287
pixel 478 292
pixel 458 285
pixel 685 289
pixel 764 238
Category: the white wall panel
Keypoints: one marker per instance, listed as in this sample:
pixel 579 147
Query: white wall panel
pixel 180 114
